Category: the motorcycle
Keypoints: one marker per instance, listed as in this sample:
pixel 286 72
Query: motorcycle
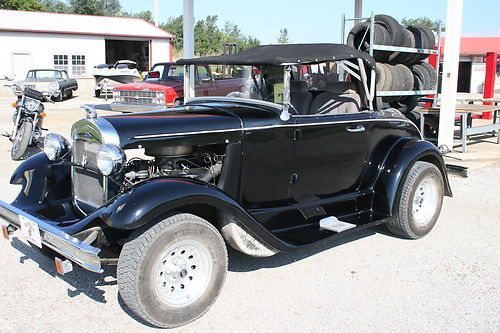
pixel 28 120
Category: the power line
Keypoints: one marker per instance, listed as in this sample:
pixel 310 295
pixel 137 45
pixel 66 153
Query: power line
pixel 211 6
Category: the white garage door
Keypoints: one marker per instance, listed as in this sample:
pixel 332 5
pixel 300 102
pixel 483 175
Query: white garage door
pixel 21 64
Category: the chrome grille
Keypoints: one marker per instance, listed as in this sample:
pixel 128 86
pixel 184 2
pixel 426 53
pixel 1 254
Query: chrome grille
pixel 89 186
pixel 138 97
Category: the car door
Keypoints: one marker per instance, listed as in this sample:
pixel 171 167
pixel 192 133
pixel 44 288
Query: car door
pixel 329 154
pixel 205 85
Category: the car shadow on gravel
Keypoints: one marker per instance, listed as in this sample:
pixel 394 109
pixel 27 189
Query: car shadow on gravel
pixel 239 262
pixel 81 281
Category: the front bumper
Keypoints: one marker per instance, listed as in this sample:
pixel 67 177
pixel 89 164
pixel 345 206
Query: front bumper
pixel 70 247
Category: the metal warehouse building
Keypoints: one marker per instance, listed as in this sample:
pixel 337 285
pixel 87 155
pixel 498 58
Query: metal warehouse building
pixel 76 43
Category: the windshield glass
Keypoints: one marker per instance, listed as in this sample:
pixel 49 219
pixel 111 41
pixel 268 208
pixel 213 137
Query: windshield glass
pixel 266 83
pixel 48 74
pixel 167 71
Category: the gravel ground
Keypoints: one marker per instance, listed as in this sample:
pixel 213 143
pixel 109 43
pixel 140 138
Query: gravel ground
pixel 370 282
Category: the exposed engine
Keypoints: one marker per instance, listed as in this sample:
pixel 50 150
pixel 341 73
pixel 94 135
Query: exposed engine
pixel 174 161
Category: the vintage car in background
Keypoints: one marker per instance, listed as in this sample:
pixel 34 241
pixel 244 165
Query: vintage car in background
pixel 53 82
pixel 286 164
pixel 164 86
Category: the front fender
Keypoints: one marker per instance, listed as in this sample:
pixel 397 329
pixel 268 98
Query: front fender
pixel 156 198
pixel 40 181
pixel 396 166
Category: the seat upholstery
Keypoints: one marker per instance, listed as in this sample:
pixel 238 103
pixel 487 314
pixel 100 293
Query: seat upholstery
pixel 332 103
pixel 300 97
pixel 338 87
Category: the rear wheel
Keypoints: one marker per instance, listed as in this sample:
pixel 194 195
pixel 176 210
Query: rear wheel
pixel 21 140
pixel 419 203
pixel 172 273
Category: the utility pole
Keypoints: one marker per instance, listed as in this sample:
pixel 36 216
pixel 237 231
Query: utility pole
pixel 188 52
pixel 450 73
pixel 157 23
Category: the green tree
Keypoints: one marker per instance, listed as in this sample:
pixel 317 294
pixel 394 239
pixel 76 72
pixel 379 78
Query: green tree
pixel 283 38
pixel 424 20
pixel 31 5
pixel 207 37
pixel 96 7
pixel 56 6
pixel 146 15
pixel 110 7
pixel 174 26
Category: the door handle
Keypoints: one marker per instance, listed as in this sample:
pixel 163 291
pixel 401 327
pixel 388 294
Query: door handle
pixel 359 128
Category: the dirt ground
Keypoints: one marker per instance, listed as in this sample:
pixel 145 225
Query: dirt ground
pixel 448 281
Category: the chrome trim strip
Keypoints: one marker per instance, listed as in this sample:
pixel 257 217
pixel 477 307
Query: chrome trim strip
pixel 166 135
pixel 233 99
pixel 70 247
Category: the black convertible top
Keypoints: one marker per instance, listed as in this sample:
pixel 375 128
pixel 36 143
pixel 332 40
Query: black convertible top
pixel 280 54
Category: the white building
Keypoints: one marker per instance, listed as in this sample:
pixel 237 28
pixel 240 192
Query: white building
pixel 76 43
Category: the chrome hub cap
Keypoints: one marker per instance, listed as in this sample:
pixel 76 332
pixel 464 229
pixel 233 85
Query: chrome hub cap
pixel 425 202
pixel 182 273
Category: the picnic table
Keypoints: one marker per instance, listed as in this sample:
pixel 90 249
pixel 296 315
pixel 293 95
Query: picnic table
pixel 465 111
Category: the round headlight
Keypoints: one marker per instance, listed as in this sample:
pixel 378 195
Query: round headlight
pixel 110 159
pixel 53 86
pixel 31 104
pixel 55 146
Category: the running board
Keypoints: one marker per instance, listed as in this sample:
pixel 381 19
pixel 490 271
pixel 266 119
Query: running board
pixel 334 224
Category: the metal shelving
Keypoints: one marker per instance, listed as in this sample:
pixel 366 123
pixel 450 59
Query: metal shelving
pixel 378 47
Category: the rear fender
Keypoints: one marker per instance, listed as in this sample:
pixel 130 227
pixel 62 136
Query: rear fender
pixel 152 200
pixel 396 166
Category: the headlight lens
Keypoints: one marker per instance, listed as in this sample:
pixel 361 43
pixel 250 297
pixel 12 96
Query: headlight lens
pixel 55 146
pixel 53 86
pixel 31 104
pixel 110 159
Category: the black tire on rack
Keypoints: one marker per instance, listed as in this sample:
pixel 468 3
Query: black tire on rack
pixel 393 26
pixel 406 104
pixel 396 83
pixel 353 40
pixel 396 57
pixel 432 74
pixel 359 36
pixel 422 74
pixel 388 77
pixel 407 79
pixel 380 72
pixel 430 38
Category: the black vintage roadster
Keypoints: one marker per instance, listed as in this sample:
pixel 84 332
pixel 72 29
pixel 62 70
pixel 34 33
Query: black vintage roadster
pixel 301 155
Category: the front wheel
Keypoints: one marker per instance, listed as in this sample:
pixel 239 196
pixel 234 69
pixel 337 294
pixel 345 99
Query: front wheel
pixel 21 140
pixel 171 273
pixel 420 202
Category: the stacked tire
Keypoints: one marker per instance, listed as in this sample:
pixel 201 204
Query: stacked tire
pixel 388 31
pixel 398 71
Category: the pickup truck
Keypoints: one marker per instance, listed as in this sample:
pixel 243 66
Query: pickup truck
pixel 163 87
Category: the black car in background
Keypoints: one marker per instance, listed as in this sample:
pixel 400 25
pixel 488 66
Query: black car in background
pixel 300 155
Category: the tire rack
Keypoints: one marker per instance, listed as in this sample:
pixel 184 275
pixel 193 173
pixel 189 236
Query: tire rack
pixel 377 47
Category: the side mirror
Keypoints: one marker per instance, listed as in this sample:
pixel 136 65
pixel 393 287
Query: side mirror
pixel 9 78
pixel 153 75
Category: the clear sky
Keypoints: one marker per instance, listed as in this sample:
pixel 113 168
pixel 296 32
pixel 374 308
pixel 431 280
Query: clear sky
pixel 320 20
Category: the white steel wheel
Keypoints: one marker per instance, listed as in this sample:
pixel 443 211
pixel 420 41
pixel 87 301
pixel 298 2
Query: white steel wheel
pixel 183 272
pixel 172 272
pixel 425 201
pixel 420 202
